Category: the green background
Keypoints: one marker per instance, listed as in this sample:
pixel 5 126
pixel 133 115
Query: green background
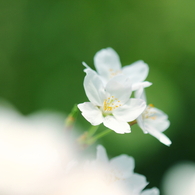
pixel 42 45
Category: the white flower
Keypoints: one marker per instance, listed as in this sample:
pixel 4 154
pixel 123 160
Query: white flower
pixel 153 120
pixel 120 171
pixel 88 181
pixel 104 176
pixel 110 104
pixel 33 153
pixel 108 65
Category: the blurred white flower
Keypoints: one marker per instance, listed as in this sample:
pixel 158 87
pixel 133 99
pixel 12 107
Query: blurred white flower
pixel 153 120
pixel 36 158
pixel 152 191
pixel 88 181
pixel 34 152
pixel 101 176
pixel 180 179
pixel 110 104
pixel 108 65
pixel 120 171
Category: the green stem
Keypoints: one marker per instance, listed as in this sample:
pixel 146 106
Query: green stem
pixel 88 139
pixel 70 120
pixel 133 122
pixel 84 139
pixel 98 136
pixel 92 130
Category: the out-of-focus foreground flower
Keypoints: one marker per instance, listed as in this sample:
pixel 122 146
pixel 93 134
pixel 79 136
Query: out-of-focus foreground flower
pixel 101 176
pixel 120 171
pixel 180 180
pixel 37 158
pixel 34 153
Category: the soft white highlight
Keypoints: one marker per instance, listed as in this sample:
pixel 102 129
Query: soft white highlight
pixel 180 179
pixel 34 152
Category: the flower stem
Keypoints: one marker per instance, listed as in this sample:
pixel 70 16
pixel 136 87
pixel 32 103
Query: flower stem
pixel 87 138
pixel 98 136
pixel 133 122
pixel 92 130
pixel 102 134
pixel 70 120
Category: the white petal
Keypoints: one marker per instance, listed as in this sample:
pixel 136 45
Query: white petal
pixel 137 72
pixel 101 154
pixel 139 85
pixel 140 122
pixel 106 61
pixel 159 113
pixel 86 66
pixel 160 136
pixel 130 111
pixel 116 125
pixel 136 183
pixel 120 88
pixel 158 120
pixel 140 93
pixel 158 124
pixel 94 87
pixel 124 164
pixel 152 191
pixel 91 113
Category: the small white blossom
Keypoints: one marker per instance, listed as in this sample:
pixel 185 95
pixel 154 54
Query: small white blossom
pixel 153 120
pixel 110 104
pixel 108 65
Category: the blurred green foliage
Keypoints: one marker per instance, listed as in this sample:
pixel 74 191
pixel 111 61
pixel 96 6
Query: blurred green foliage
pixel 42 45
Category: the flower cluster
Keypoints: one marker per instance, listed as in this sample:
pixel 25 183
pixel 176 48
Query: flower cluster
pixel 109 91
pixel 37 157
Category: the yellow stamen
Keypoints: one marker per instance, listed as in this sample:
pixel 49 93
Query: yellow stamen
pixel 110 104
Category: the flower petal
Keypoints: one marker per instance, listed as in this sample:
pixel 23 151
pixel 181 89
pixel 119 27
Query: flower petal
pixel 130 111
pixel 140 122
pixel 158 124
pixel 94 87
pixel 160 136
pixel 137 86
pixel 101 154
pixel 140 93
pixel 91 113
pixel 86 66
pixel 124 165
pixel 152 191
pixel 159 113
pixel 120 88
pixel 136 183
pixel 116 125
pixel 137 72
pixel 106 62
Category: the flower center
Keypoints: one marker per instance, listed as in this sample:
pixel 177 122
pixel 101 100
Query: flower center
pixel 114 175
pixel 114 73
pixel 110 104
pixel 148 113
